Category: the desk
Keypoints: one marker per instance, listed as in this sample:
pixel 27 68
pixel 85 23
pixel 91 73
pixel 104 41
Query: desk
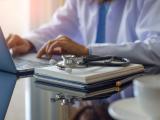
pixel 7 87
pixel 40 106
pixel 44 107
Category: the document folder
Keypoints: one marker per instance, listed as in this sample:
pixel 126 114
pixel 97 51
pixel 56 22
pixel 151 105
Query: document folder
pixel 89 75
pixel 90 81
pixel 116 83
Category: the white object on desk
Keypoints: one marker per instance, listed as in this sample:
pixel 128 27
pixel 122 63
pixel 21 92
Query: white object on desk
pixel 147 92
pixel 127 109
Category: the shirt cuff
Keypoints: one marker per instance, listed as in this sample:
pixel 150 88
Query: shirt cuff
pixel 35 40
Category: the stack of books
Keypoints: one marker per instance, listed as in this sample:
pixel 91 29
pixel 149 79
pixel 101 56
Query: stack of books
pixel 88 81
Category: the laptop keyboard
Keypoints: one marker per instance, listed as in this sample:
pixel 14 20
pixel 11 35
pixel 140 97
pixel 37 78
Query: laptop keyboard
pixel 27 64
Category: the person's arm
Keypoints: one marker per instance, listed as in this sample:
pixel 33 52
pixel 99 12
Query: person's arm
pixel 64 21
pixel 146 50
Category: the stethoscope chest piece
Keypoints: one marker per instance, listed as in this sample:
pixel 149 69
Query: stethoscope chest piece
pixel 70 62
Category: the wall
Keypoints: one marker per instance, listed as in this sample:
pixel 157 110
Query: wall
pixel 42 12
pixel 18 16
pixel 14 16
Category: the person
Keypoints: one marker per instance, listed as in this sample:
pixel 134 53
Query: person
pixel 132 30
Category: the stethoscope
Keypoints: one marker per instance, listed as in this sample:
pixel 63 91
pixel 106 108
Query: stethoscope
pixel 70 62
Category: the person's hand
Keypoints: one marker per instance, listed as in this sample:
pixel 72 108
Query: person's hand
pixel 18 45
pixel 62 45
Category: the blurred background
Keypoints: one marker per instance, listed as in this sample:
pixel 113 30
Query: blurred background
pixel 18 17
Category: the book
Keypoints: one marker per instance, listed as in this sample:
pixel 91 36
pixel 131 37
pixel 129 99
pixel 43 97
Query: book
pixel 117 82
pixel 89 75
pixel 77 94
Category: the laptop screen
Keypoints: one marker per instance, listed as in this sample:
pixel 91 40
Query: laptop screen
pixel 6 62
pixel 7 84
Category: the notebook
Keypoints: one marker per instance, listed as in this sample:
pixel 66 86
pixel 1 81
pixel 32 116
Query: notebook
pixel 77 93
pixel 88 75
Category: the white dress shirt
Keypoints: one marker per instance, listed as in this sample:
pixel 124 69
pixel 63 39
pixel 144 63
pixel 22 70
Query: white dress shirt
pixel 132 29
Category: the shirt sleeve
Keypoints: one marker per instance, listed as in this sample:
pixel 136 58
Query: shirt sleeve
pixel 64 22
pixel 145 50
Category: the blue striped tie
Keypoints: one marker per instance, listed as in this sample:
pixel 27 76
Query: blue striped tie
pixel 103 10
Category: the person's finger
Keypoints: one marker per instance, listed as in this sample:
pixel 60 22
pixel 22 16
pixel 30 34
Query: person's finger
pixel 56 46
pixel 12 41
pixel 18 50
pixel 48 44
pixel 42 51
pixel 57 51
pixel 11 44
pixel 9 37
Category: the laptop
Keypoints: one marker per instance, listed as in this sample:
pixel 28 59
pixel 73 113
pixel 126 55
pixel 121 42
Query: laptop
pixel 22 66
pixel 7 85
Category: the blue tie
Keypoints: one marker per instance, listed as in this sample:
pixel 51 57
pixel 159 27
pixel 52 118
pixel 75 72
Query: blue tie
pixel 103 10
